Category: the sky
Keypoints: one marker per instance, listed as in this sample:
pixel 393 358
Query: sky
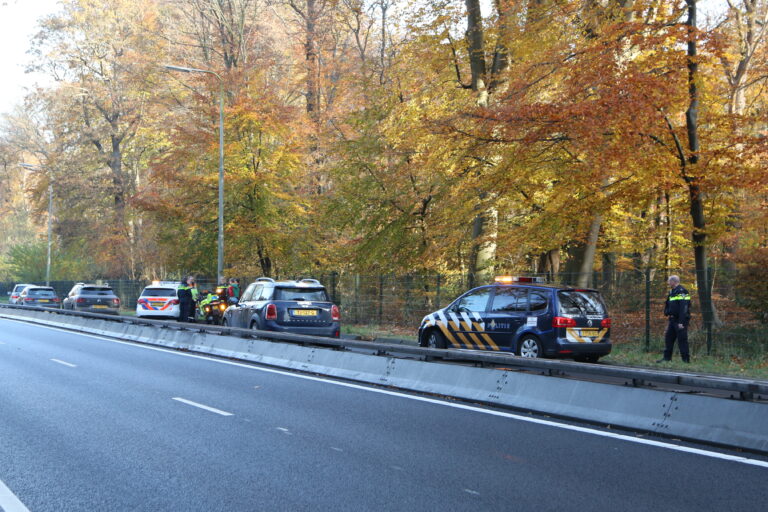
pixel 18 23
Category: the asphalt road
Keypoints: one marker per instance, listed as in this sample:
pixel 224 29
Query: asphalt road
pixel 88 424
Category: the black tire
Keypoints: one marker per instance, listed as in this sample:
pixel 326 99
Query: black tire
pixel 434 339
pixel 530 346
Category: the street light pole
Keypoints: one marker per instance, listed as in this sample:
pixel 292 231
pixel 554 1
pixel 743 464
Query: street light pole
pixel 220 262
pixel 31 167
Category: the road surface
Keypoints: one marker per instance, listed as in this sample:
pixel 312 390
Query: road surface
pixel 89 424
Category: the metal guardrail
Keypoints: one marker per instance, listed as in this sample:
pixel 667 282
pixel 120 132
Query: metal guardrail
pixel 746 388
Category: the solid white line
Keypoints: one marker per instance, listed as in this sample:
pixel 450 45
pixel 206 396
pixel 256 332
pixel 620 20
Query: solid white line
pixel 201 406
pixel 549 423
pixel 9 502
pixel 64 363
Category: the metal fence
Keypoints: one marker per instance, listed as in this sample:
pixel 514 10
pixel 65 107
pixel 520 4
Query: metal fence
pixel 635 301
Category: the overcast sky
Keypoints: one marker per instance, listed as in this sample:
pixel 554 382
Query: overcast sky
pixel 18 23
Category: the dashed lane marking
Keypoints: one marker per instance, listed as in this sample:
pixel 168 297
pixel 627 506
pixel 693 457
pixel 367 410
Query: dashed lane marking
pixel 9 502
pixel 64 363
pixel 204 407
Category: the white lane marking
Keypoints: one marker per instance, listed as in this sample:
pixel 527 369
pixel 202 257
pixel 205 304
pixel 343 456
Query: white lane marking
pixel 549 423
pixel 397 468
pixel 9 502
pixel 336 449
pixel 470 491
pixel 64 363
pixel 284 430
pixel 201 406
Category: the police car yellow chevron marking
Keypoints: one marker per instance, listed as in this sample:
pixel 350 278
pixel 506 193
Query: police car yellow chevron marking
pixel 486 337
pixel 584 335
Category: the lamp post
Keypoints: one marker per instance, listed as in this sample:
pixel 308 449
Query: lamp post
pixel 33 168
pixel 220 262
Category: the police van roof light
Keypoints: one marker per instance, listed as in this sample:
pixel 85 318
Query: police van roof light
pixel 519 279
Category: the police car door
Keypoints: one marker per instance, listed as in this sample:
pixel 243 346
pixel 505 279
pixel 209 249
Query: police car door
pixel 465 320
pixel 506 315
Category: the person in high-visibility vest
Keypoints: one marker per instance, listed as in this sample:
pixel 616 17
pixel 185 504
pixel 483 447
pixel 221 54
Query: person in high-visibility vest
pixel 187 300
pixel 678 310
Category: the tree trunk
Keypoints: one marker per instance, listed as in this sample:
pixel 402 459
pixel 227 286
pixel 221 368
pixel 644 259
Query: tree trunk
pixel 476 50
pixel 483 253
pixel 588 260
pixel 695 193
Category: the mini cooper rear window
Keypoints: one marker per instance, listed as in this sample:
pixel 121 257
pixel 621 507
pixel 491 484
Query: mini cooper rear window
pixel 581 303
pixel 316 294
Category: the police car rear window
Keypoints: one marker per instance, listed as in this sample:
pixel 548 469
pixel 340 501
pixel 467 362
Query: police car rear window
pixel 580 303
pixel 297 293
pixel 158 292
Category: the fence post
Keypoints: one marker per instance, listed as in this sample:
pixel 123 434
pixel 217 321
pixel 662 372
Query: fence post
pixel 711 308
pixel 648 309
pixel 437 298
pixel 381 296
pixel 357 298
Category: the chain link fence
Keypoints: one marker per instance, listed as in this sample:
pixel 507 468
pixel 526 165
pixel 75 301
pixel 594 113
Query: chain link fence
pixel 635 301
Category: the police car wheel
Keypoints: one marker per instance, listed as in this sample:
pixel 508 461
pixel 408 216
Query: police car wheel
pixel 435 339
pixel 529 346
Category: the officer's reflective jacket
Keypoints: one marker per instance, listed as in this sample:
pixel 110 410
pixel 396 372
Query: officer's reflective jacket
pixel 678 305
pixel 207 300
pixel 185 294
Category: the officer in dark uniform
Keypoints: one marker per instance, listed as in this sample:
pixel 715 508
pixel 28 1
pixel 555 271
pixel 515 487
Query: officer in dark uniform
pixel 186 301
pixel 678 310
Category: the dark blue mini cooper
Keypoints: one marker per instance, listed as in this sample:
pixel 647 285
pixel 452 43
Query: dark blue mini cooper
pixel 525 317
pixel 300 307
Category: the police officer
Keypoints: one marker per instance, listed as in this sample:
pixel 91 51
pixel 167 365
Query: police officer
pixel 678 310
pixel 187 300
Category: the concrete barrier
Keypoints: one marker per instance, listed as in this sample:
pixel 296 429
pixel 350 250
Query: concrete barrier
pixel 736 423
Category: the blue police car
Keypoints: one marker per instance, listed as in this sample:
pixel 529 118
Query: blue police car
pixel 525 316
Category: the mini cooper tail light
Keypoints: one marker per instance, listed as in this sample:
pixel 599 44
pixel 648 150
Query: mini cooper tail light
pixel 271 312
pixel 561 321
pixel 55 299
pixel 606 323
pixel 116 302
pixel 335 313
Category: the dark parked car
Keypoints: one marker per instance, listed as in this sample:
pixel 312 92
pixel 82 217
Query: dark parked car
pixel 40 296
pixel 301 307
pixel 93 298
pixel 525 317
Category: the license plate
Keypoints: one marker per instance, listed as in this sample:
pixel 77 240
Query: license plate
pixel 43 300
pixel 304 312
pixel 100 306
pixel 157 304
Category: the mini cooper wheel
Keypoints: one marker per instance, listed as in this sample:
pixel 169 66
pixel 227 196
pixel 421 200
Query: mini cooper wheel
pixel 529 346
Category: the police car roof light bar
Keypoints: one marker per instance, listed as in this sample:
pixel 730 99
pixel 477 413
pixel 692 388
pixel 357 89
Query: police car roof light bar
pixel 519 279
